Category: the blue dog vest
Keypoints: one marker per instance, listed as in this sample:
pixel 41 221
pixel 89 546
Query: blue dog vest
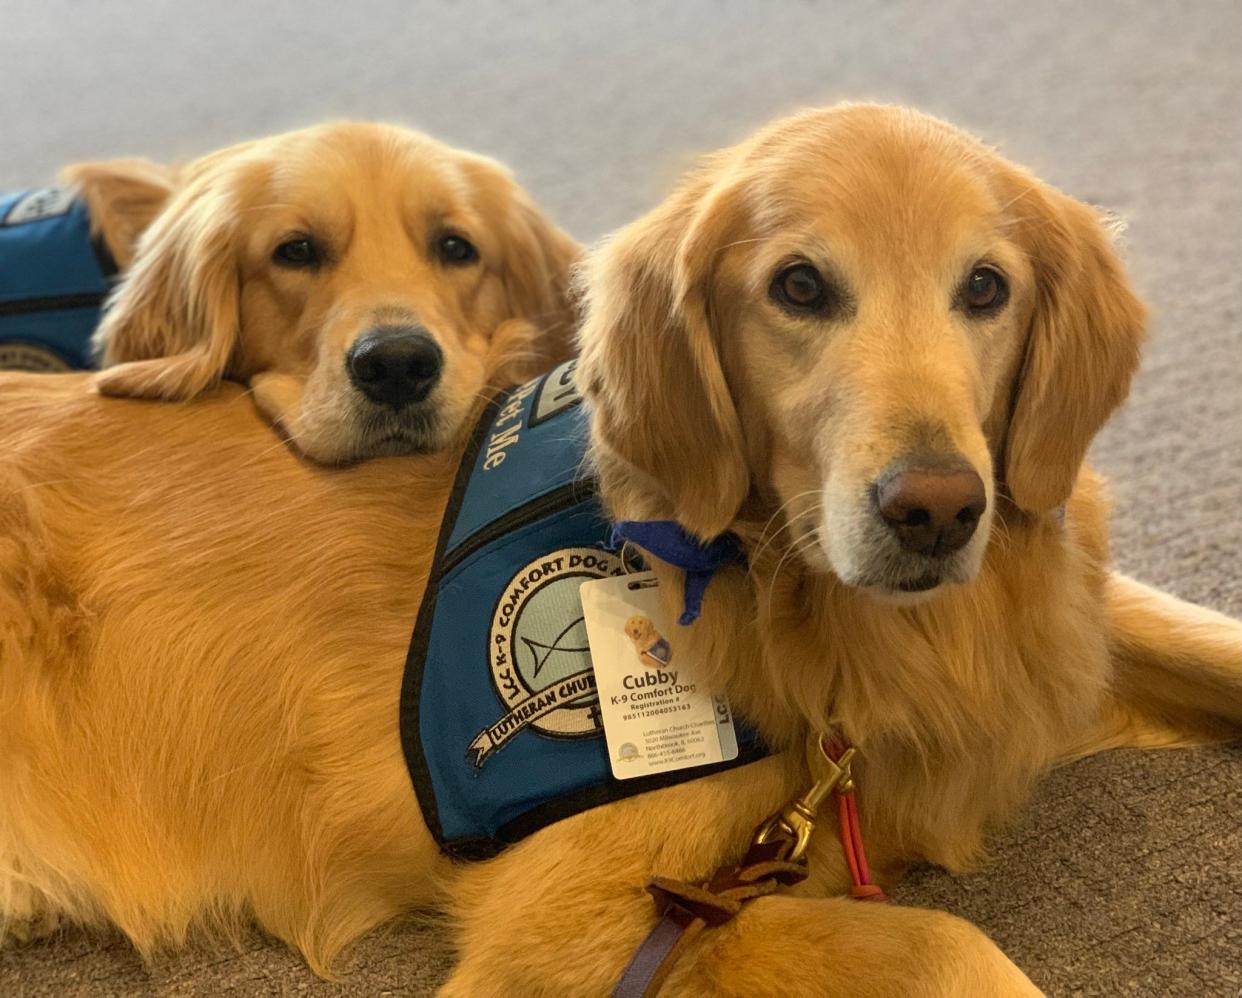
pixel 53 280
pixel 499 719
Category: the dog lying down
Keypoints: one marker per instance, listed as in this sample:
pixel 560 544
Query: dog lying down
pixel 860 340
pixel 354 276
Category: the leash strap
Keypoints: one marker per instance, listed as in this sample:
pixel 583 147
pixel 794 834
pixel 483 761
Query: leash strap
pixel 862 887
pixel 652 961
pixel 776 858
pixel 668 541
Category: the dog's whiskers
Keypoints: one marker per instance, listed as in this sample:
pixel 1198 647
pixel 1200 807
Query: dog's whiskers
pixel 794 549
pixel 764 540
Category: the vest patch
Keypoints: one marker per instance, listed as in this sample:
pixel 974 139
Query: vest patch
pixel 39 205
pixel 541 662
pixel 500 717
pixel 30 357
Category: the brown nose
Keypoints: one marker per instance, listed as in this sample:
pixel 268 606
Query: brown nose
pixel 932 512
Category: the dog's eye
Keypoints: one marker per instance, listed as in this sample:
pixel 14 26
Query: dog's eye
pixel 801 287
pixel 984 292
pixel 456 250
pixel 300 252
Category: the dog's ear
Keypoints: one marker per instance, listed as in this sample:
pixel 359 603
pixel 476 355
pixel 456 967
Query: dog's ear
pixel 665 430
pixel 172 325
pixel 1082 346
pixel 536 265
pixel 539 258
pixel 124 196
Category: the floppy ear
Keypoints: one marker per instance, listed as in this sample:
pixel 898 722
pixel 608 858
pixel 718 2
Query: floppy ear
pixel 538 262
pixel 172 325
pixel 666 434
pixel 538 258
pixel 1082 349
pixel 124 196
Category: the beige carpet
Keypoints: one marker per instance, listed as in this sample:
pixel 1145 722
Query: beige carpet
pixel 1124 877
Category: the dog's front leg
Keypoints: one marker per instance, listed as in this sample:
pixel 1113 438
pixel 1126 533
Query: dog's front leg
pixel 563 911
pixel 838 946
pixel 579 941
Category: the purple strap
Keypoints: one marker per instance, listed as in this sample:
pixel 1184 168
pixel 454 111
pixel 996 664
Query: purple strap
pixel 648 958
pixel 668 541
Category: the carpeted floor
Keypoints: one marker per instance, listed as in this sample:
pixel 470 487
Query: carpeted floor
pixel 1124 878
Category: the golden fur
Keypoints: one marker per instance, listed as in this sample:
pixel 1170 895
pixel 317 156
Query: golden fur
pixel 208 298
pixel 202 637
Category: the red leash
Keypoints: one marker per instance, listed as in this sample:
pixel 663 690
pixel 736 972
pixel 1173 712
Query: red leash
pixel 862 888
pixel 776 857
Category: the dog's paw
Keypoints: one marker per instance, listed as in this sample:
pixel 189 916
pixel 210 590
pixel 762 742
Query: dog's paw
pixel 16 931
pixel 26 914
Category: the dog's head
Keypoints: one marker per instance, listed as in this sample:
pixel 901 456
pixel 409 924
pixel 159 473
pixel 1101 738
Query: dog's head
pixel 640 630
pixel 868 323
pixel 355 275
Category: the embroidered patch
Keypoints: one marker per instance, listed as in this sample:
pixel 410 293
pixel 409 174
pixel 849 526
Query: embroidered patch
pixel 29 357
pixel 46 202
pixel 540 659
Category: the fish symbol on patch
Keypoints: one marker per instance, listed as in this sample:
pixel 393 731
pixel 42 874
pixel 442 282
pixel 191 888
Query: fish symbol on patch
pixel 541 651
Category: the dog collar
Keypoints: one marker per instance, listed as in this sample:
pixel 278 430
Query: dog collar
pixel 669 541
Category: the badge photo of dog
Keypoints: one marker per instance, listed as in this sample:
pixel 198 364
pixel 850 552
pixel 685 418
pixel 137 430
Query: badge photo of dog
pixel 199 676
pixel 649 644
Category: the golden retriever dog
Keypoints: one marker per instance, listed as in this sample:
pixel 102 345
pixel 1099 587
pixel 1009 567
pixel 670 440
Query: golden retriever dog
pixel 353 275
pixel 855 316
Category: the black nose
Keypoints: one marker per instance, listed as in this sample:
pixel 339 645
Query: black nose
pixel 395 365
pixel 932 512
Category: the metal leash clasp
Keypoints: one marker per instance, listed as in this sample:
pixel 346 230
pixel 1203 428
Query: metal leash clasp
pixel 796 820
